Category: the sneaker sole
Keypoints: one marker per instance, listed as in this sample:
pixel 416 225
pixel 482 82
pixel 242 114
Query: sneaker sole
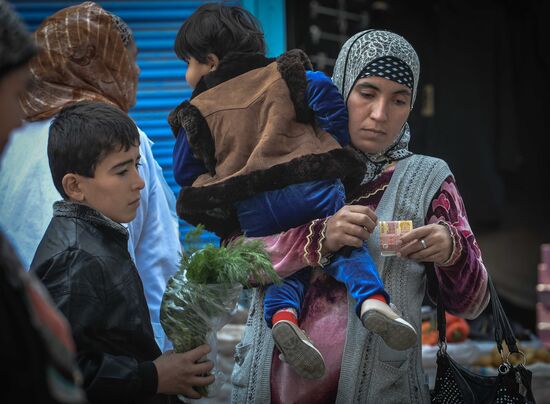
pixel 304 358
pixel 397 335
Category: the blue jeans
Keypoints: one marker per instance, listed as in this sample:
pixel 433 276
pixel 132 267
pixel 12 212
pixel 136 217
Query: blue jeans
pixel 276 211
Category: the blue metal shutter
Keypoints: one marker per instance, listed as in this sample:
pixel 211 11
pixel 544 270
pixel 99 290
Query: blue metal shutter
pixel 162 83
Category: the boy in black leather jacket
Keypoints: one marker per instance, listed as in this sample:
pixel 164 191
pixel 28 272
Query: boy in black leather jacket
pixel 83 260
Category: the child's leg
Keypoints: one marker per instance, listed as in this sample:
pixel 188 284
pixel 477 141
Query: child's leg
pixel 282 307
pixel 287 295
pixel 358 272
pixel 372 302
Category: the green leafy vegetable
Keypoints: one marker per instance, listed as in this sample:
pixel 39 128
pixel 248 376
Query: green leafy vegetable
pixel 240 262
pixel 201 296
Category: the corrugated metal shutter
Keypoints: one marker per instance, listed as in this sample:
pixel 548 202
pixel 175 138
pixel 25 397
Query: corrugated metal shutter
pixel 162 83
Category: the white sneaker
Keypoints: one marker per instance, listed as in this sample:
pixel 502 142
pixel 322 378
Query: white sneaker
pixel 297 350
pixel 383 320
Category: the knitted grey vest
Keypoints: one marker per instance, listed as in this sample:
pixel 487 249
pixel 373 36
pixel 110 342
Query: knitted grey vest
pixel 370 370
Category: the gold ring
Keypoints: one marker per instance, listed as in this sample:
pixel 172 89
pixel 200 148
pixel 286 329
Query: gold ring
pixel 424 246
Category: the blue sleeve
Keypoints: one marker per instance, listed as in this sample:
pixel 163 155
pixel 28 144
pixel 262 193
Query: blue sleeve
pixel 186 166
pixel 328 106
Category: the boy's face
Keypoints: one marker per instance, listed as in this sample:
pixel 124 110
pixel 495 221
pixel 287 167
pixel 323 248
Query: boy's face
pixel 195 70
pixel 115 188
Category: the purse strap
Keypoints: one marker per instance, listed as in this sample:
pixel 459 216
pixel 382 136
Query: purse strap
pixel 503 329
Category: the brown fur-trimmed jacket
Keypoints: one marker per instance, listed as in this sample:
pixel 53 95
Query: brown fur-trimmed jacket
pixel 249 123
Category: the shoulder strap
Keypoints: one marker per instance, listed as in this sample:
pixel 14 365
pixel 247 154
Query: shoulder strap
pixel 503 330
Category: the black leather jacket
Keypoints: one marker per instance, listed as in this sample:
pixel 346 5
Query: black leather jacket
pixel 83 261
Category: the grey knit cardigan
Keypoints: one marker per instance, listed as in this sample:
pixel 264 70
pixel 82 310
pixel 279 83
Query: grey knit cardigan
pixel 370 371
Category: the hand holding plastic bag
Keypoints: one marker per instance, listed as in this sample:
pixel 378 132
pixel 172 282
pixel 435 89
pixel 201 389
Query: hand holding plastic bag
pixel 200 298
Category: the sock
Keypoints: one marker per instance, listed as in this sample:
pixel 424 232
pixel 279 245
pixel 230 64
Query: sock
pixel 380 297
pixel 285 314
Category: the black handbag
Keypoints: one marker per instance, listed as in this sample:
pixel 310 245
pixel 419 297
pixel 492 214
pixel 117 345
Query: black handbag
pixel 455 383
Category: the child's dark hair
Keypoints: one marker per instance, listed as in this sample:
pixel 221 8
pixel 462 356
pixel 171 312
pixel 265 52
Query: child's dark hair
pixel 16 44
pixel 219 29
pixel 83 134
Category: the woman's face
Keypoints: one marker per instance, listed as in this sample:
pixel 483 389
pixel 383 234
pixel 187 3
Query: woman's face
pixel 378 108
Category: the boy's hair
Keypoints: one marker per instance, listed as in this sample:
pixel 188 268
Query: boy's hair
pixel 219 29
pixel 16 44
pixel 83 134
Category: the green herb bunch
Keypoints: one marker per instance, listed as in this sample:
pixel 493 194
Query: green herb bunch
pixel 201 296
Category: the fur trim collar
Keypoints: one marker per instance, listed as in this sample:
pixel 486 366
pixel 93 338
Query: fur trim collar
pixel 200 139
pixel 78 211
pixel 236 63
pixel 232 65
pixel 292 66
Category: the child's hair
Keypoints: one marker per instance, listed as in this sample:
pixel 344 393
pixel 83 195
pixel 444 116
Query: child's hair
pixel 219 29
pixel 83 134
pixel 16 44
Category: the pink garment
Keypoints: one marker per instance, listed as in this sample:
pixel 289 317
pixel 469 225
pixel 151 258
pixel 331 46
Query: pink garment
pixel 325 320
pixel 463 284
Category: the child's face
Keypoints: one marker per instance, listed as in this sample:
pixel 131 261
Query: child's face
pixel 195 70
pixel 115 188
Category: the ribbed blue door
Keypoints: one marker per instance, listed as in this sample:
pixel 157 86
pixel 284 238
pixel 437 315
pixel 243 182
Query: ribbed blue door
pixel 162 83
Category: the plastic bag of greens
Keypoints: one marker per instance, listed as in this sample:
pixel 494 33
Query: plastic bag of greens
pixel 200 298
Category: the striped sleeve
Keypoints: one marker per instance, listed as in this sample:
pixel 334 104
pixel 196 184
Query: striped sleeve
pixel 463 278
pixel 296 248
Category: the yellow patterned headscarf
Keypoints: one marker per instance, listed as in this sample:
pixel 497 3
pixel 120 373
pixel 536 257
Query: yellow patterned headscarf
pixel 82 57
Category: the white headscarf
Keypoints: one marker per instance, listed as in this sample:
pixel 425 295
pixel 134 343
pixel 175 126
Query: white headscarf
pixel 359 51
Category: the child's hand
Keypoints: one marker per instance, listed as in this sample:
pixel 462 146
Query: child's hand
pixel 350 226
pixel 179 372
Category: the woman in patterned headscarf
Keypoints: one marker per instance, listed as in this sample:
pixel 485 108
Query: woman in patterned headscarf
pixel 377 72
pixel 88 54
